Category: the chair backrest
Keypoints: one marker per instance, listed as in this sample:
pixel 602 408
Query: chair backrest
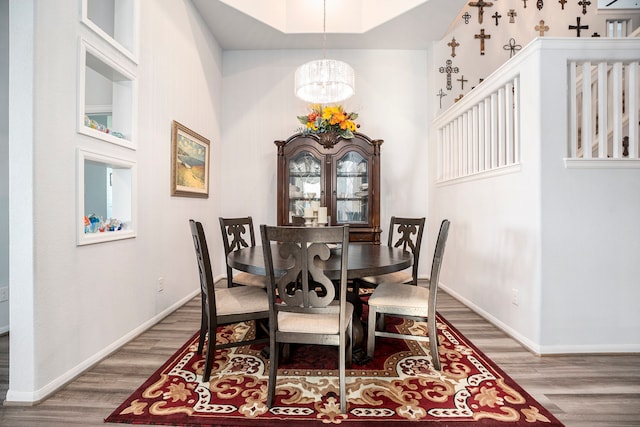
pixel 237 233
pixel 436 264
pixel 304 287
pixel 204 268
pixel 407 233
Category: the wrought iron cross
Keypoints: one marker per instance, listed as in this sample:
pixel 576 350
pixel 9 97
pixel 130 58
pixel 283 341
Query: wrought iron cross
pixel 480 4
pixel 496 16
pixel 539 4
pixel 512 15
pixel 482 36
pixel 453 44
pixel 525 3
pixel 541 28
pixel 466 17
pixel 449 69
pixel 441 94
pixel 584 4
pixel 562 2
pixel 462 80
pixel 512 46
pixel 578 27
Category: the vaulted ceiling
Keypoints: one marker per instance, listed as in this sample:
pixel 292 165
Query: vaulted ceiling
pixel 349 24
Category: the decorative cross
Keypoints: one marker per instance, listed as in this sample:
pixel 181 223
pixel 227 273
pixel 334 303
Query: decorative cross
pixel 482 36
pixel 458 98
pixel 541 28
pixel 578 27
pixel 449 69
pixel 466 17
pixel 453 44
pixel 512 46
pixel 562 2
pixel 525 3
pixel 480 4
pixel 595 34
pixel 462 80
pixel 584 4
pixel 441 94
pixel 512 15
pixel 539 4
pixel 496 16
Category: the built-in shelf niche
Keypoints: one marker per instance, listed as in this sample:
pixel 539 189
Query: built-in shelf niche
pixel 106 190
pixel 115 21
pixel 106 90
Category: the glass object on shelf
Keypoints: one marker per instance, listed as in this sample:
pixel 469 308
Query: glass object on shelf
pixel 352 188
pixel 304 182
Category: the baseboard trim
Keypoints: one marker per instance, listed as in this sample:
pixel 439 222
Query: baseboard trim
pixel 33 398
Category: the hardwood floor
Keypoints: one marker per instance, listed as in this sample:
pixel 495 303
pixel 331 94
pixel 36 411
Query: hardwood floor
pixel 585 390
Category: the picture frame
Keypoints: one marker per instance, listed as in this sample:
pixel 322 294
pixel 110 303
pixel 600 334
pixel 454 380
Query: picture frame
pixel 189 162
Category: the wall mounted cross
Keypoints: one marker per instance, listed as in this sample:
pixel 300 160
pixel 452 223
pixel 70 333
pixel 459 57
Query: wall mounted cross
pixel 512 15
pixel 462 80
pixel 449 69
pixel 482 36
pixel 562 2
pixel 525 3
pixel 441 94
pixel 584 4
pixel 512 46
pixel 466 17
pixel 453 44
pixel 539 4
pixel 496 16
pixel 578 27
pixel 480 4
pixel 541 28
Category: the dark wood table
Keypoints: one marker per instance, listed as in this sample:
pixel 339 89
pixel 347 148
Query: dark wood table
pixel 364 260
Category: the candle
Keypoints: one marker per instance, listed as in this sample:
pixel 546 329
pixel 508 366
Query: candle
pixel 322 215
pixel 315 205
pixel 308 212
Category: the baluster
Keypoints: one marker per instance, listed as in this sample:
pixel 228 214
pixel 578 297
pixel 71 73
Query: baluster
pixel 516 120
pixel 509 123
pixel 603 125
pixel 585 134
pixel 616 96
pixel 633 109
pixel 501 127
pixel 573 110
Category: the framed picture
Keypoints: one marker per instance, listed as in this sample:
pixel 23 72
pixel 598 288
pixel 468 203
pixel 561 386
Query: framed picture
pixel 189 162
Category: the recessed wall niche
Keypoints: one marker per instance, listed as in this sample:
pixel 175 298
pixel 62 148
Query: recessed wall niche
pixel 107 98
pixel 106 198
pixel 114 21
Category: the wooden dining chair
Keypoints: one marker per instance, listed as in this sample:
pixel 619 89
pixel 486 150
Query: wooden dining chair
pixel 237 233
pixel 304 307
pixel 224 306
pixel 413 302
pixel 405 233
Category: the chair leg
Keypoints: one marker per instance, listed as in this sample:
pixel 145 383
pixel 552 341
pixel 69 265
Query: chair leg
pixel 342 378
pixel 371 330
pixel 432 330
pixel 211 354
pixel 274 350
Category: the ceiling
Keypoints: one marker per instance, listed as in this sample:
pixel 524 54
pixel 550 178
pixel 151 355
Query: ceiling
pixel 350 24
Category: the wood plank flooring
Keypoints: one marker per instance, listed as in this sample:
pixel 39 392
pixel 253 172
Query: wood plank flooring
pixel 584 390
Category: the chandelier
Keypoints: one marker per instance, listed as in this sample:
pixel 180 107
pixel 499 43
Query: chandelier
pixel 324 81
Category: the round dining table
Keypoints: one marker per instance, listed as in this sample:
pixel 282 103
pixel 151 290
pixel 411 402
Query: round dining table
pixel 363 260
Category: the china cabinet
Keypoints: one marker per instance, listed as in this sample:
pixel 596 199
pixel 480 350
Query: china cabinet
pixel 340 174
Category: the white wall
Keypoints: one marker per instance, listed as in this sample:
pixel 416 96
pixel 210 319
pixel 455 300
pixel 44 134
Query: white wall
pixel 72 305
pixel 4 160
pixel 259 107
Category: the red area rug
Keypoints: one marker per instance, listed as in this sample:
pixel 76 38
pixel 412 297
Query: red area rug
pixel 397 387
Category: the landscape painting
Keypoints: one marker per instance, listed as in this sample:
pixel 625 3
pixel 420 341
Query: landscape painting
pixel 190 162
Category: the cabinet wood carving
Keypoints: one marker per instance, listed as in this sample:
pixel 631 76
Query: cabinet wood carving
pixel 343 175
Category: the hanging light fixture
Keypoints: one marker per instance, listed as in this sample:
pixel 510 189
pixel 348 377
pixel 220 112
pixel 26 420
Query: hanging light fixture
pixel 324 81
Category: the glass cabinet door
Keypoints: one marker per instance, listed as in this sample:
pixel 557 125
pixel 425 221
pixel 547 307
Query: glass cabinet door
pixel 304 183
pixel 352 189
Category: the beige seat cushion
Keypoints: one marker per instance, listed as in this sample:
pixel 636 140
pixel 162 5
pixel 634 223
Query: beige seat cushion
pixel 241 299
pixel 248 279
pixel 312 323
pixel 397 277
pixel 387 295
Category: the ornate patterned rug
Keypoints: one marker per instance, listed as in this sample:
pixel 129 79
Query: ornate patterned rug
pixel 397 387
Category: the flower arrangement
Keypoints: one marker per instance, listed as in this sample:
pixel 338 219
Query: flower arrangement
pixel 329 119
